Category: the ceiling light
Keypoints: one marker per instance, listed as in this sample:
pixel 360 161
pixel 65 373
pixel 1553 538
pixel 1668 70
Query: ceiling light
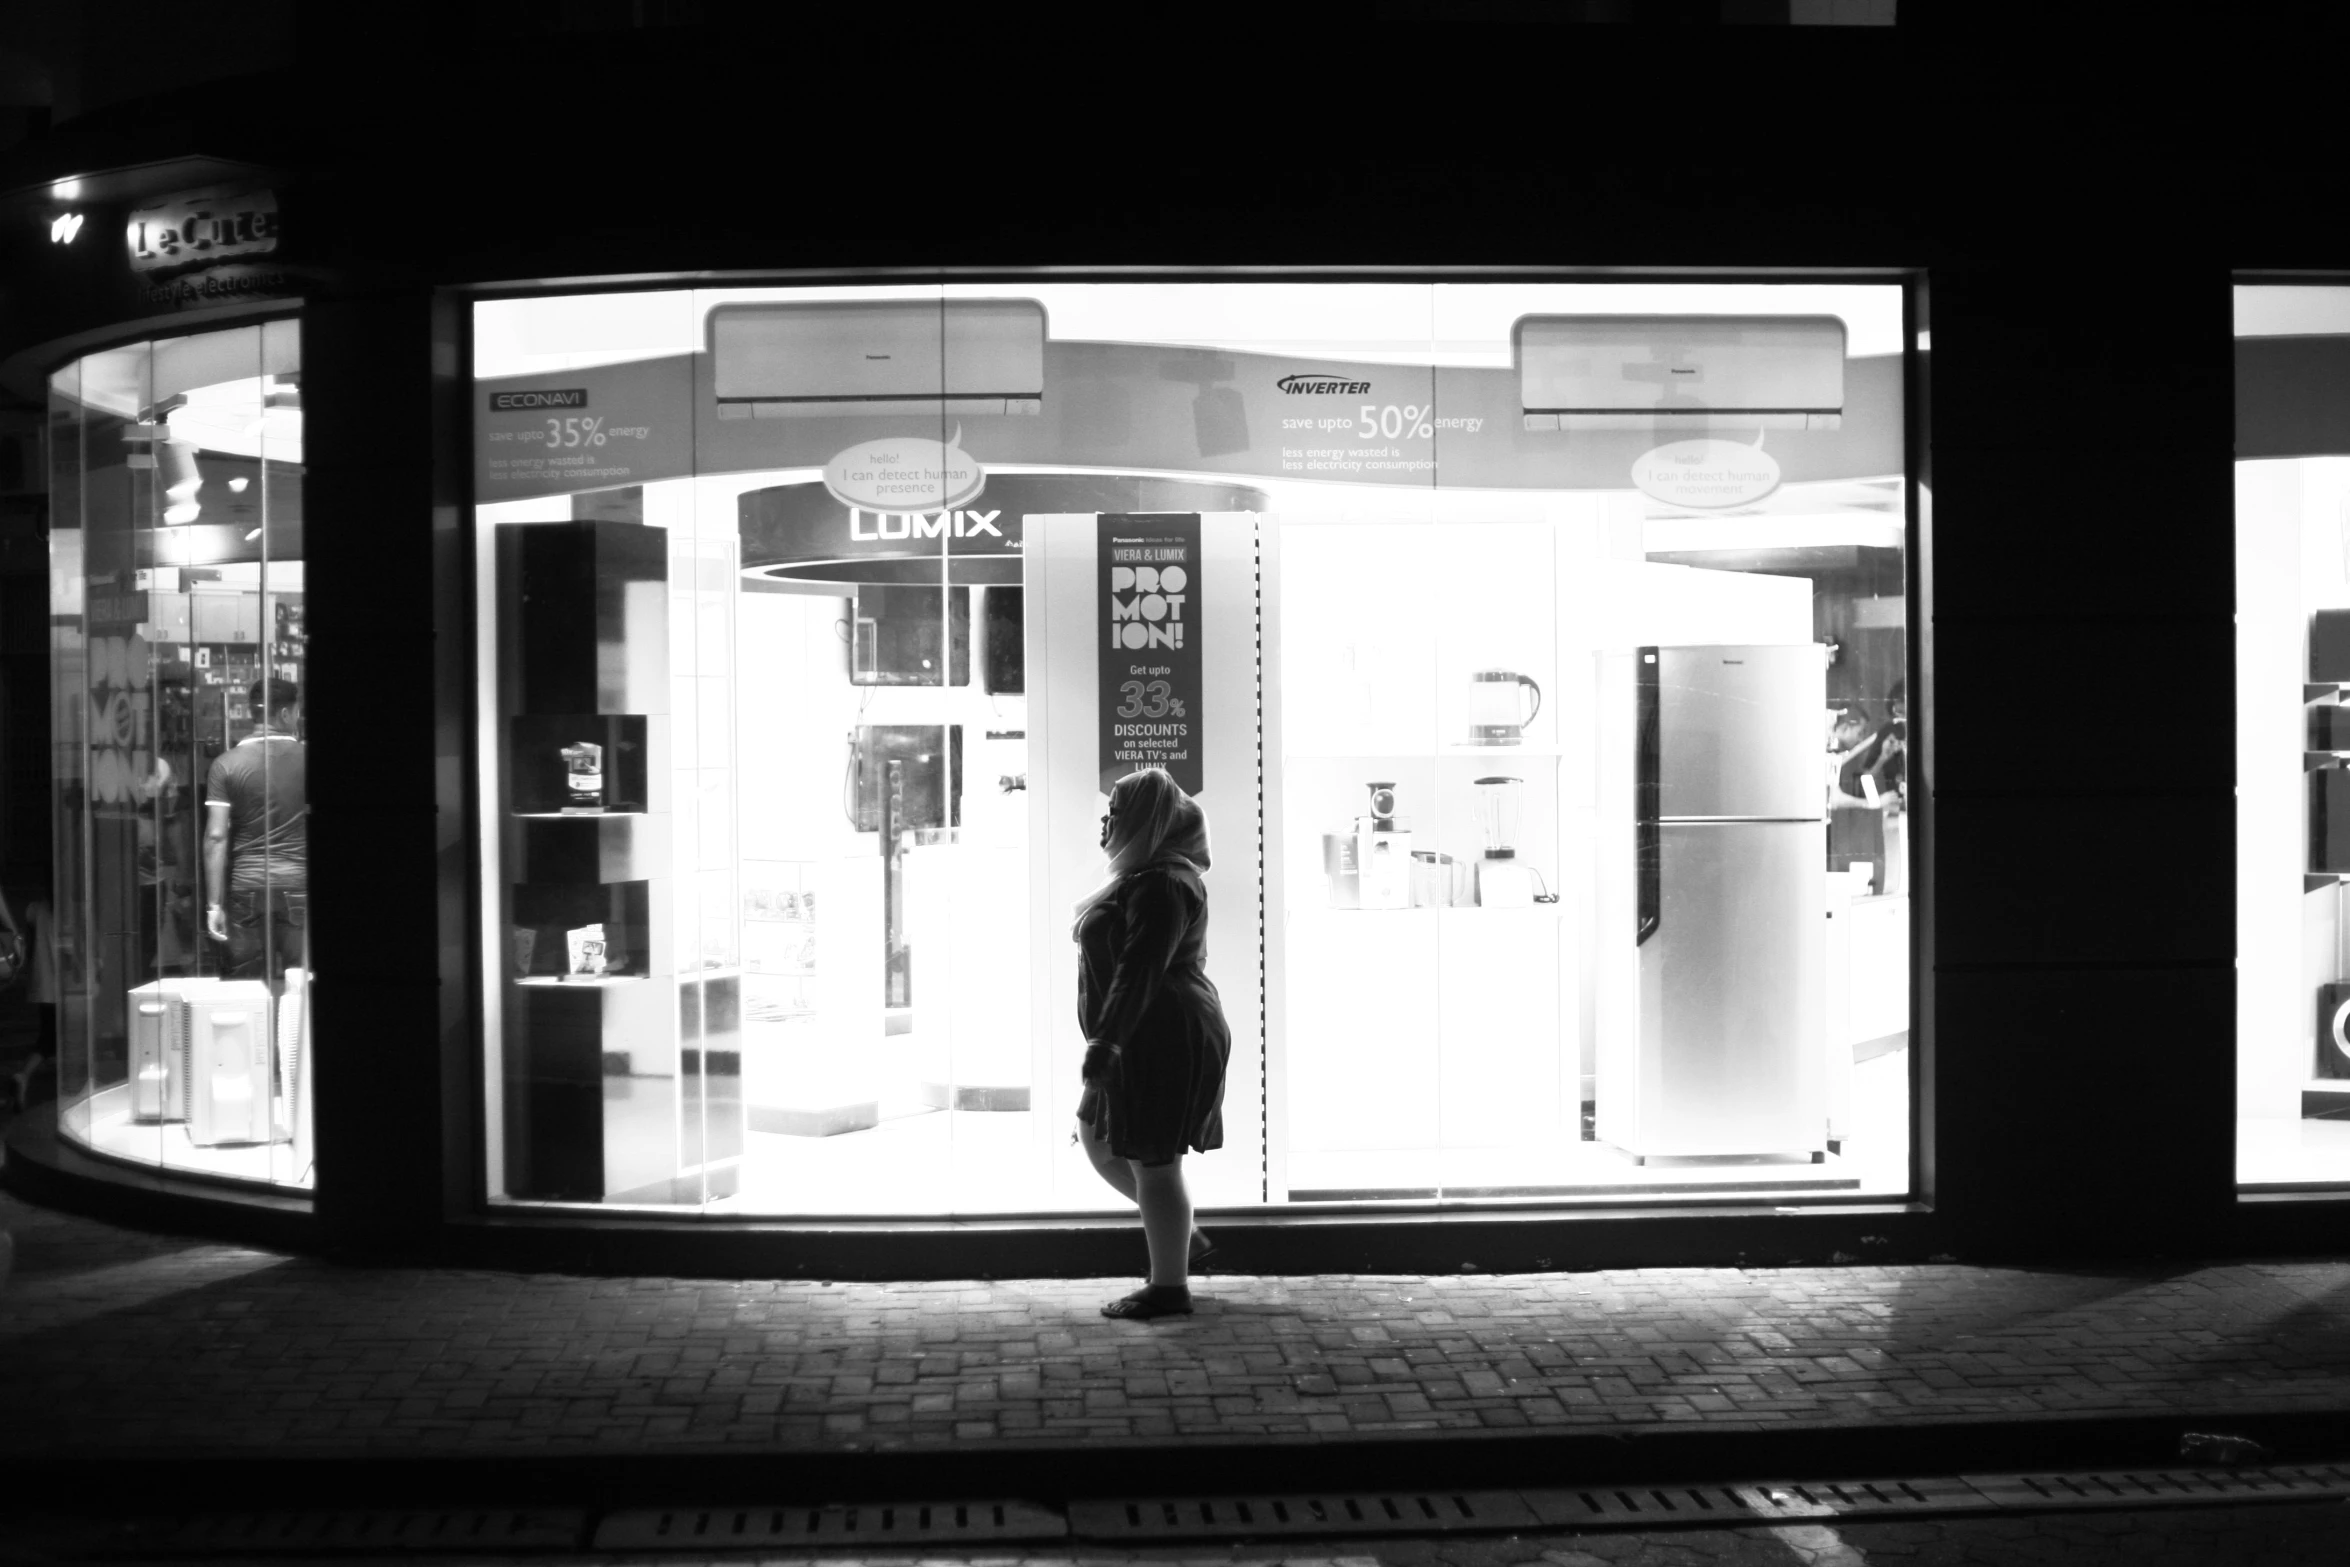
pixel 64 227
pixel 252 534
pixel 181 515
pixel 67 190
pixel 237 486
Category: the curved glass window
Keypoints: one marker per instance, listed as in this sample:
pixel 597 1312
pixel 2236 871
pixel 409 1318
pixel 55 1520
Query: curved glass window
pixel 180 920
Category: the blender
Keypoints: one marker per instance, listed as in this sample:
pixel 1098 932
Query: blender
pixel 1503 880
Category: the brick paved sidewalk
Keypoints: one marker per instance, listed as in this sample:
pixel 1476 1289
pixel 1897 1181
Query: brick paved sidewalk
pixel 125 1344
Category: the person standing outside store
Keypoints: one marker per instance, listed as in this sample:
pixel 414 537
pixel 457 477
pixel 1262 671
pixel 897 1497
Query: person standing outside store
pixel 257 840
pixel 1156 1039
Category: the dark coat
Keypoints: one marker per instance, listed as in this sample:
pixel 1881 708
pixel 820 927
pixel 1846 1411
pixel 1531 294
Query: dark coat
pixel 1143 989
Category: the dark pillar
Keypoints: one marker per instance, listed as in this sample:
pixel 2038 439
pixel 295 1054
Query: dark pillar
pixel 387 706
pixel 2081 750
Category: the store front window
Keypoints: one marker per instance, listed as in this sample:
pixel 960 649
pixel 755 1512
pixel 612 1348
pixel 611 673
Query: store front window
pixel 2292 737
pixel 1538 654
pixel 182 886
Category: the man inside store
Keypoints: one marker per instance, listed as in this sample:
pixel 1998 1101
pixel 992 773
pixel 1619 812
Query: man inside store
pixel 257 840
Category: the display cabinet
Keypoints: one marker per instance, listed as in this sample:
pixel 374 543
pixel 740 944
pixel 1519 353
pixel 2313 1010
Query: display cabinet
pixel 2326 767
pixel 621 1064
pixel 1429 981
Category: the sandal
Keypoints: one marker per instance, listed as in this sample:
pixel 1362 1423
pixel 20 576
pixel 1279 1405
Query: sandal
pixel 1152 1300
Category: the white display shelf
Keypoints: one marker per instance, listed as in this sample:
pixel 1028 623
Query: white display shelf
pixel 1497 752
pixel 587 981
pixel 1445 748
pixel 569 816
pixel 1448 911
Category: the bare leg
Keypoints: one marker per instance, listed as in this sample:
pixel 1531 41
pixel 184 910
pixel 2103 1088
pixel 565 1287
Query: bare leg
pixel 1118 1172
pixel 1166 1220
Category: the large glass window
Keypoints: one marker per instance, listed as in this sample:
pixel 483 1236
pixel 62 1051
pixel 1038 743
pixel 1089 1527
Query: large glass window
pixel 2292 736
pixel 176 616
pixel 1537 652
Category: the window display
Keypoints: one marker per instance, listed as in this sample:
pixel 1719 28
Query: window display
pixel 1537 652
pixel 2293 737
pixel 178 636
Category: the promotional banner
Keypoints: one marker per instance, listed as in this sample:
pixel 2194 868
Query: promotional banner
pixel 1148 641
pixel 597 428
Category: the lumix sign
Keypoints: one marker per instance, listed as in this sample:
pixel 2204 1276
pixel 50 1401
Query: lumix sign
pixel 1322 386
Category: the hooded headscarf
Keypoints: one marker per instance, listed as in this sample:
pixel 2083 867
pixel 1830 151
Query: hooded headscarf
pixel 1152 822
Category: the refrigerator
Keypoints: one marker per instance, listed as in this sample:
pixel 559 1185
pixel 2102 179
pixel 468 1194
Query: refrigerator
pixel 1712 926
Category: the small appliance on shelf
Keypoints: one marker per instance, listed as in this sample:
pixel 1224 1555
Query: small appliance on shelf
pixel 1383 849
pixel 1371 867
pixel 583 773
pixel 1499 709
pixel 1441 882
pixel 1503 880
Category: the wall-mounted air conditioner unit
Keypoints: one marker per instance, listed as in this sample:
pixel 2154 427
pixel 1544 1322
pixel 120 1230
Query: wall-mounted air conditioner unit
pixel 1670 373
pixel 920 356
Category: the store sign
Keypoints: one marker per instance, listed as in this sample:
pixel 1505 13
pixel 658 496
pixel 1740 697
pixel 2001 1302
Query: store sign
pixel 525 402
pixel 234 284
pixel 202 227
pixel 1149 585
pixel 1706 474
pixel 871 525
pixel 905 475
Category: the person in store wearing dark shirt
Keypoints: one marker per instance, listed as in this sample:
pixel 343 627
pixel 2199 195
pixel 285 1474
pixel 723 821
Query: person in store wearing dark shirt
pixel 257 840
pixel 1882 758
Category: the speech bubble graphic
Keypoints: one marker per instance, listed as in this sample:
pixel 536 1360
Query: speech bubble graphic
pixel 905 473
pixel 1707 474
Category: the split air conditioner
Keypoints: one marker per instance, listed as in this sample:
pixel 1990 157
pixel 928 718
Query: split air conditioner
pixel 159 1052
pixel 225 1028
pixel 919 356
pixel 1681 373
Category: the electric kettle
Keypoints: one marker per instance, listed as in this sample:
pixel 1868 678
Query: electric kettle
pixel 1498 709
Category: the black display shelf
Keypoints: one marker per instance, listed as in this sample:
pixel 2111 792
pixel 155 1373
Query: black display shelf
pixel 583 656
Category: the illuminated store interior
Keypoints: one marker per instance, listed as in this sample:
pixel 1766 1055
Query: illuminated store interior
pixel 1538 653
pixel 176 595
pixel 2293 737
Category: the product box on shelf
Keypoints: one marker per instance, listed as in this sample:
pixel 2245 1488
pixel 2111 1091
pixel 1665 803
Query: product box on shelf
pixel 1385 859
